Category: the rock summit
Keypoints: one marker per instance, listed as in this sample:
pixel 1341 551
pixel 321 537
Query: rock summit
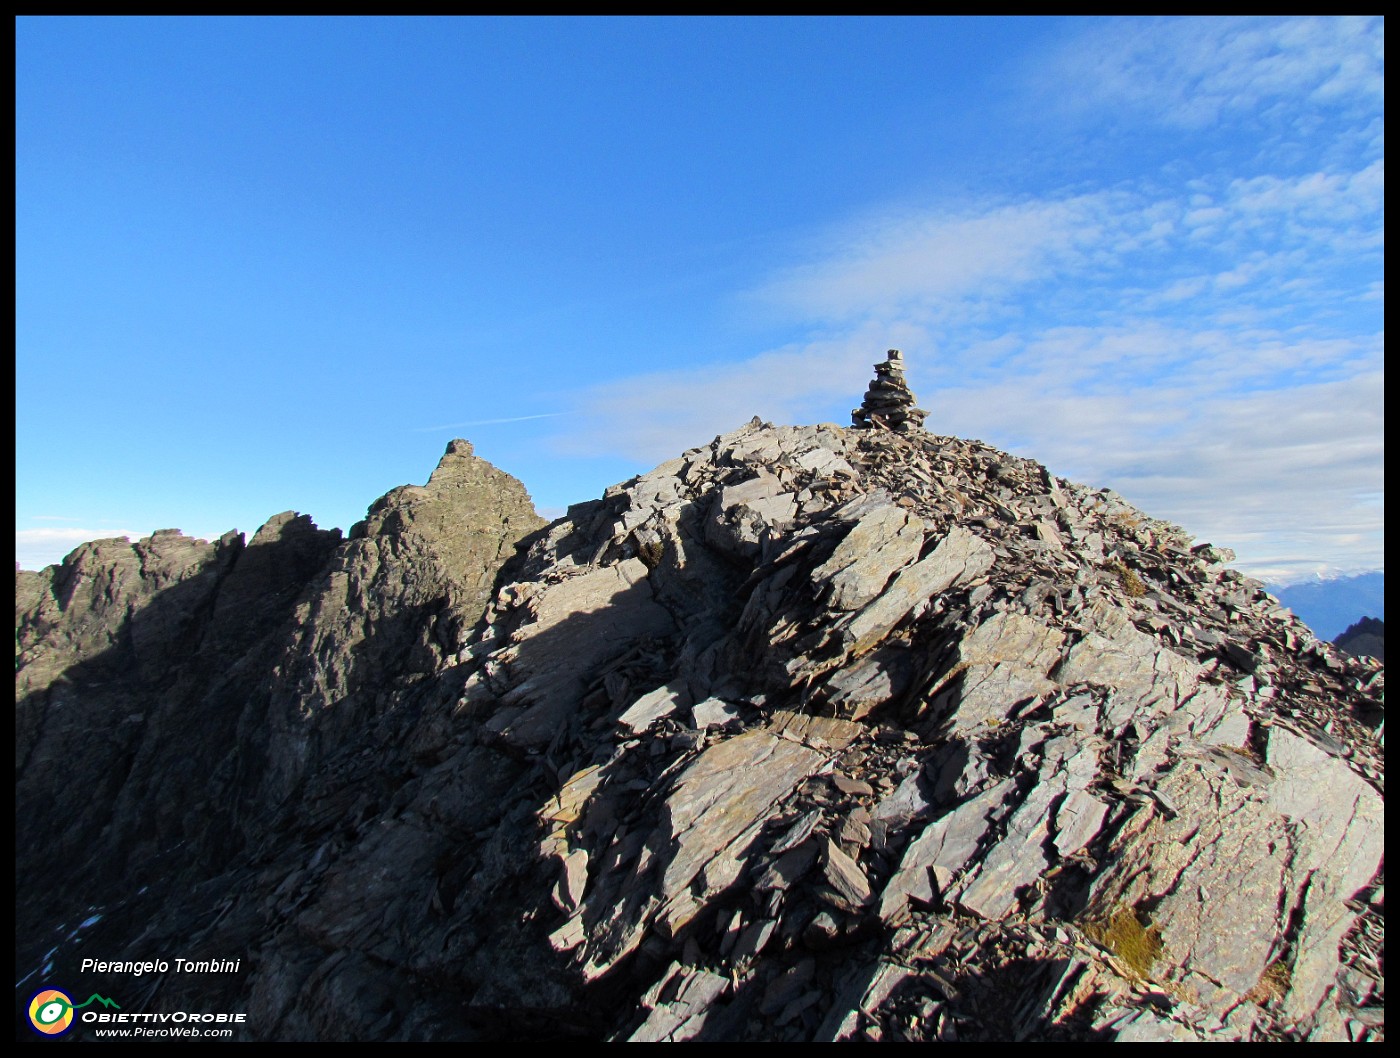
pixel 809 733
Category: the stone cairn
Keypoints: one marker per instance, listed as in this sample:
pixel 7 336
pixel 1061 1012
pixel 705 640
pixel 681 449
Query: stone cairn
pixel 888 402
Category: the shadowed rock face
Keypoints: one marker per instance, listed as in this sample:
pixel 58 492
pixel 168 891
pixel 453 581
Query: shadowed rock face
pixel 807 734
pixel 1363 639
pixel 172 695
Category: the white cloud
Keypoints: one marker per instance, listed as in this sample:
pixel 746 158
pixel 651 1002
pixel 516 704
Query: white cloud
pixel 1292 479
pixel 1341 210
pixel 1289 477
pixel 1296 240
pixel 1204 391
pixel 1212 348
pixel 1195 72
pixel 920 260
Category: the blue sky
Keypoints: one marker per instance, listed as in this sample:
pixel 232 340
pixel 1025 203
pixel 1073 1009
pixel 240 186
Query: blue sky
pixel 278 264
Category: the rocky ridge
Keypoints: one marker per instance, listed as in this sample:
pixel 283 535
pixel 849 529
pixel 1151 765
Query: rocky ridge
pixel 176 697
pixel 810 733
pixel 1363 639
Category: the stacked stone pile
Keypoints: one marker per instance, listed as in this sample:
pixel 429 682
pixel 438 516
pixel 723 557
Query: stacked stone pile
pixel 888 402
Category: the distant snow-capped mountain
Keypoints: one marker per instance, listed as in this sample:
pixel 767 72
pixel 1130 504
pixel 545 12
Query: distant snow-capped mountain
pixel 1329 606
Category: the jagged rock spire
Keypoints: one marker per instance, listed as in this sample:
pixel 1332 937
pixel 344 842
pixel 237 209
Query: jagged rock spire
pixel 888 403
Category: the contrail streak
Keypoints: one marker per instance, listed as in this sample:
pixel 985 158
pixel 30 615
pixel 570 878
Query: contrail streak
pixel 490 422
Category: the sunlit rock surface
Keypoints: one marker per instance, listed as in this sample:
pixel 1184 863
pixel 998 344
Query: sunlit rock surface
pixel 808 734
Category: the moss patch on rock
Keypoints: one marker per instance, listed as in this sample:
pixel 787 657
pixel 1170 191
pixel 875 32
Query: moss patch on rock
pixel 1136 943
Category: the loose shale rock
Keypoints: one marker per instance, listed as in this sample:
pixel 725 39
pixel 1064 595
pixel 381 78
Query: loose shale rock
pixel 809 733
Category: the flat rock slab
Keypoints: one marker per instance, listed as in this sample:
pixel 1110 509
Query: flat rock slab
pixel 912 797
pixel 1342 841
pixel 568 891
pixel 1144 676
pixel 1004 661
pixel 1078 821
pixel 881 543
pixel 960 556
pixel 1017 860
pixel 1221 863
pixel 845 877
pixel 646 710
pixel 713 712
pixel 941 851
pixel 742 510
pixel 712 818
pixel 580 623
pixel 855 690
pixel 680 1017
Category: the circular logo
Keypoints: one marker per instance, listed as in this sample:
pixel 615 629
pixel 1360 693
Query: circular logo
pixel 51 1012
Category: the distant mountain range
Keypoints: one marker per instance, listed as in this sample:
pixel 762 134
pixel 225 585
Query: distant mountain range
pixel 1329 606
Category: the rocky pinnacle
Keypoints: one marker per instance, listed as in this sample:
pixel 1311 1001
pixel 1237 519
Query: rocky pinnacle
pixel 888 403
